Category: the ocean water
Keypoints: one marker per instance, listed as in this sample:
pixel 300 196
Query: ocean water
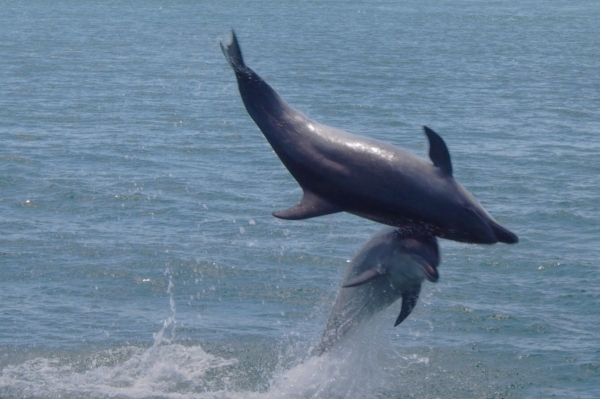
pixel 138 254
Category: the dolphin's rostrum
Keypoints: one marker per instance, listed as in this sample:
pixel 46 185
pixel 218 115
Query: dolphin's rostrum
pixel 342 172
pixel 389 266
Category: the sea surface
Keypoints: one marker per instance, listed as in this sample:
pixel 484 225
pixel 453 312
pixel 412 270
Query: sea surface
pixel 138 254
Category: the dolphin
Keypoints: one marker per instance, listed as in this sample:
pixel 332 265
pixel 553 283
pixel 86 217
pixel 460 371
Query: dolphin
pixel 388 267
pixel 342 172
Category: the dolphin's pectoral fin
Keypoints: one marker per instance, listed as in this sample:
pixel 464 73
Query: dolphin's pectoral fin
pixel 364 277
pixel 438 152
pixel 409 301
pixel 310 205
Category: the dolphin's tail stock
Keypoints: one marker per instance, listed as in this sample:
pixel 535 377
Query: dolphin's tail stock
pixel 233 54
pixel 264 105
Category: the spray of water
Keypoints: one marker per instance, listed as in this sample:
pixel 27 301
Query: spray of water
pixel 366 364
pixel 166 369
pixel 166 335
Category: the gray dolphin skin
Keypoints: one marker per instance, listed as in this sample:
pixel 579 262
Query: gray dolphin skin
pixel 342 172
pixel 389 267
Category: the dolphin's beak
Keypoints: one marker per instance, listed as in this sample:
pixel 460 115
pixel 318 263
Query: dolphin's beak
pixel 503 234
pixel 429 270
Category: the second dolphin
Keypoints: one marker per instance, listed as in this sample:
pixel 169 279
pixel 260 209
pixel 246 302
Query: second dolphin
pixel 389 267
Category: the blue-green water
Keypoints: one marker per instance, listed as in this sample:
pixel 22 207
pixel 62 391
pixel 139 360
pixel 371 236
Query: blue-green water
pixel 138 257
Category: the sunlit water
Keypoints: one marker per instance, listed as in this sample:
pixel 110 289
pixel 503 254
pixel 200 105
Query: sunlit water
pixel 138 257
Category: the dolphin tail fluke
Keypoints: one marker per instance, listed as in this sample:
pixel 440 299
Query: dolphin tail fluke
pixel 233 54
pixel 409 301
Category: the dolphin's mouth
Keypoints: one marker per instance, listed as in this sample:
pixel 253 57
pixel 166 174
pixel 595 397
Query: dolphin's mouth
pixel 502 234
pixel 490 231
pixel 428 268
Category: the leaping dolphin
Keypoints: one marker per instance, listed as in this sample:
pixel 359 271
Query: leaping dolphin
pixel 341 172
pixel 391 265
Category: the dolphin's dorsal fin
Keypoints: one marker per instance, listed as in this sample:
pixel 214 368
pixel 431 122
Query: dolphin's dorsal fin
pixel 409 301
pixel 438 152
pixel 310 205
pixel 365 277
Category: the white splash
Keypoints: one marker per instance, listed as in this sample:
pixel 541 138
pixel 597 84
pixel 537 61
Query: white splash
pixel 361 366
pixel 171 371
